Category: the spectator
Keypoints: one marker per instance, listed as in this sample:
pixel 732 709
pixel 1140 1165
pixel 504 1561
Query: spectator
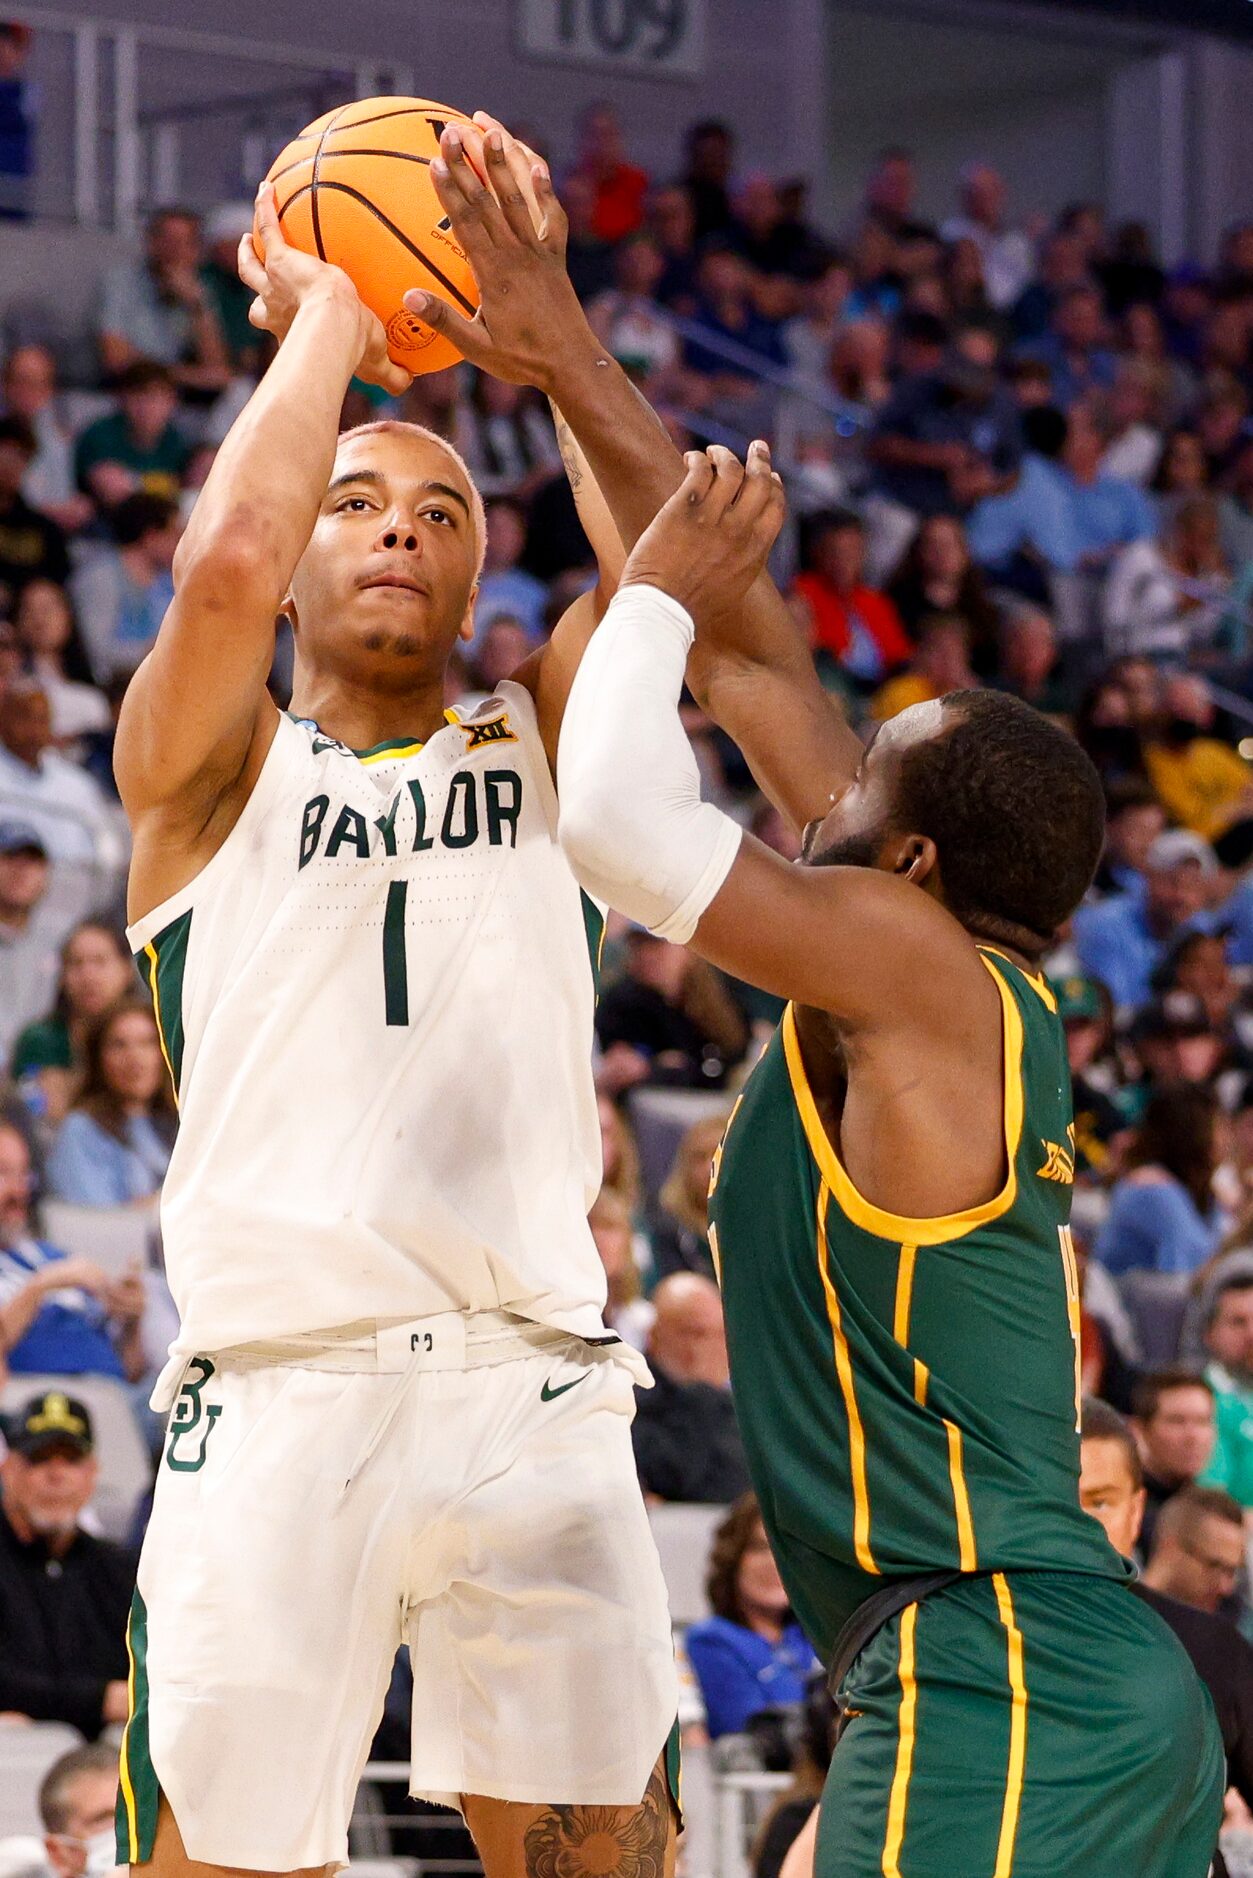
pixel 96 970
pixel 1134 440
pixel 629 320
pixel 1198 1553
pixel 138 448
pixel 224 229
pixel 114 1146
pixel 1198 967
pixel 64 1595
pixel 725 313
pixel 1063 267
pixel 1110 1490
pixel 1176 1041
pixel 1029 659
pixel 32 546
pixel 1163 1216
pixel 672 223
pixel 1123 940
pixel 710 149
pixel 501 647
pixel 1235 510
pixel 620 1160
pixel 627 1314
pixel 1199 780
pixel 589 260
pixel 1005 252
pixel 786 1840
pixel 160 309
pixel 40 786
pixel 1173 1424
pixel 57 662
pixel 1165 599
pixel 859 368
pixel 809 338
pixel 1134 818
pixel 29 385
pixel 891 196
pixel 504 585
pixel 687 1444
pixel 751 1654
pixel 1229 1342
pixel 77 1804
pixel 1220 422
pixel 855 626
pixel 759 232
pixel 941 664
pixel 122 594
pixel 1183 470
pixel 668 1020
pixel 1101 1122
pixel 1131 274
pixel 619 187
pixel 17 123
pixel 27 932
pixel 680 1234
pixel 506 439
pixel 1074 347
pixel 939 575
pixel 59 1314
pixel 946 438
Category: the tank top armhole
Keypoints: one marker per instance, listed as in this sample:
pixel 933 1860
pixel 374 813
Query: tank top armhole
pixel 522 705
pixel 275 772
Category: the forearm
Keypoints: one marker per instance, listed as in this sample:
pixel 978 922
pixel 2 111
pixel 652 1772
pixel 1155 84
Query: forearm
pixel 20 1313
pixel 270 474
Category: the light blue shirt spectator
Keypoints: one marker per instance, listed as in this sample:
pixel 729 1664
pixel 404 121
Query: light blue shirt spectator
pixel 1155 1225
pixel 89 1166
pixel 515 592
pixel 1070 381
pixel 119 611
pixel 1052 514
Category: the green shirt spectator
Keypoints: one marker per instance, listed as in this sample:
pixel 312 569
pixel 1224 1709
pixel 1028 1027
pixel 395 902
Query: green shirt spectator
pixel 45 1045
pixel 1229 1344
pixel 138 449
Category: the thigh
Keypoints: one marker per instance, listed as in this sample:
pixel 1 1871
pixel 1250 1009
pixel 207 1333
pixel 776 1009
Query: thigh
pixel 265 1621
pixel 544 1668
pixel 518 1841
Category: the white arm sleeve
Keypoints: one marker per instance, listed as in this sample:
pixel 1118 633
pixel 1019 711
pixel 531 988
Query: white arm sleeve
pixel 632 822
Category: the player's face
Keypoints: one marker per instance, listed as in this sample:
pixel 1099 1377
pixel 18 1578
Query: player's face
pixel 1108 1492
pixel 857 831
pixel 387 582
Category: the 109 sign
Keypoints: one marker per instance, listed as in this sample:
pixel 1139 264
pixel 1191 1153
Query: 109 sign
pixel 664 37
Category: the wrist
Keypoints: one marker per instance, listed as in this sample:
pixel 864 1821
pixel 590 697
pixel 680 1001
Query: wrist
pixel 576 367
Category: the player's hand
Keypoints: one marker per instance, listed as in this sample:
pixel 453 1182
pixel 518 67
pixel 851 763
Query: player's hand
pixel 515 239
pixel 710 542
pixel 288 278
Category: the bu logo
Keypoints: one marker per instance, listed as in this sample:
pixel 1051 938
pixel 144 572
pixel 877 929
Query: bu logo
pixel 495 730
pixel 191 1420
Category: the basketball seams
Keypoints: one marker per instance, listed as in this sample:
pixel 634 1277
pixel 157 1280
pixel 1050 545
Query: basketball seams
pixel 412 248
pixel 317 160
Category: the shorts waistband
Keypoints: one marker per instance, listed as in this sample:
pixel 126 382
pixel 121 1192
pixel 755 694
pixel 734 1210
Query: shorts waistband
pixel 447 1340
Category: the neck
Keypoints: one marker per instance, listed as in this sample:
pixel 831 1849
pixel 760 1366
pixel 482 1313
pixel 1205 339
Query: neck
pixel 15 918
pixel 58 1543
pixel 359 716
pixel 766 1623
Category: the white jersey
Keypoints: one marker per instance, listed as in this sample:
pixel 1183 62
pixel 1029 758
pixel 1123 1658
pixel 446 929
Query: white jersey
pixel 377 1005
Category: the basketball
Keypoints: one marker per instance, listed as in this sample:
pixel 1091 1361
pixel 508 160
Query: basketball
pixel 354 188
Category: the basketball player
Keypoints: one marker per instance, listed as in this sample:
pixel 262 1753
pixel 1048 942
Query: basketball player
pixel 889 1210
pixel 397 1414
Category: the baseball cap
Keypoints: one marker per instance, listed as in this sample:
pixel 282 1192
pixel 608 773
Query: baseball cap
pixel 48 1420
pixel 1178 845
pixel 1077 999
pixel 21 838
pixel 1175 1014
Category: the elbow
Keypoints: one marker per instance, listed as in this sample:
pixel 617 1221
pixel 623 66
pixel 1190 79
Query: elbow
pixel 581 829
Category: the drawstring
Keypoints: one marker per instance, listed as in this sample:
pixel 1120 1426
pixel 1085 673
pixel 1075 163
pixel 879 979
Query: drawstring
pixel 381 1425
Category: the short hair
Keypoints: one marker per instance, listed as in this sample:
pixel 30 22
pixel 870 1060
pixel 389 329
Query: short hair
pixel 1183 1512
pixel 730 1542
pixel 1016 813
pixel 142 375
pixel 54 1792
pixel 1129 792
pixel 139 515
pixel 478 517
pixel 1100 1422
pixel 1235 1281
pixel 1148 1390
pixel 1045 430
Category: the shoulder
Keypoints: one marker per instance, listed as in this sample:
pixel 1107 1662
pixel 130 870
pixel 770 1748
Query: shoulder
pixel 717 1636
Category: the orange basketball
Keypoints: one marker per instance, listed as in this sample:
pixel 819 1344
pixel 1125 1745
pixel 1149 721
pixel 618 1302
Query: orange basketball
pixel 355 189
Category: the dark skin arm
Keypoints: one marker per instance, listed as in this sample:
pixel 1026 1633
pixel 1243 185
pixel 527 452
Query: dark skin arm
pixel 902 1030
pixel 755 675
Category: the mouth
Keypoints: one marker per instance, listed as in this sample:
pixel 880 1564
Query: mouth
pixel 406 583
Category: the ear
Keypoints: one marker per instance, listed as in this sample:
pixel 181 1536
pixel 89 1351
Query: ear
pixel 915 858
pixel 466 629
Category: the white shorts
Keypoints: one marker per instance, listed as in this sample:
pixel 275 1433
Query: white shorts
pixel 308 1521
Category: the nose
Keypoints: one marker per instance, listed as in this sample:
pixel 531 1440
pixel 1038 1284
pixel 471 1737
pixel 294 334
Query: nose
pixel 397 537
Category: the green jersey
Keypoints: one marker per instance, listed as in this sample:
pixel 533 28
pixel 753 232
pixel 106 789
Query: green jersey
pixel 907 1389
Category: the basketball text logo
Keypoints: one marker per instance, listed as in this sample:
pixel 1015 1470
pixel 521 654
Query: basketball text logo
pixel 495 730
pixel 191 1421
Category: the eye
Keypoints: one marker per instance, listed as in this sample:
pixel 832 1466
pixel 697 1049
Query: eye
pixel 441 516
pixel 357 504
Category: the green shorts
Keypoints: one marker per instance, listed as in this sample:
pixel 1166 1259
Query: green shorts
pixel 1024 1725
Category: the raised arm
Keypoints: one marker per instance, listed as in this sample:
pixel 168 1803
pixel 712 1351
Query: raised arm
pixel 197 720
pixel 755 676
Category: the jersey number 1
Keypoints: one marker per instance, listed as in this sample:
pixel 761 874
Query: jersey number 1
pixel 395 964
pixel 1070 1265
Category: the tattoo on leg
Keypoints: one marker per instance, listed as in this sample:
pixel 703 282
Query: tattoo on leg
pixel 602 1841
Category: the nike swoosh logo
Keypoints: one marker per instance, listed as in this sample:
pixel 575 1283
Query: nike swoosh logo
pixel 550 1395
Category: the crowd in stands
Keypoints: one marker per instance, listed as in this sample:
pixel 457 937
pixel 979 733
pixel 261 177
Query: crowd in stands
pixel 1019 453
